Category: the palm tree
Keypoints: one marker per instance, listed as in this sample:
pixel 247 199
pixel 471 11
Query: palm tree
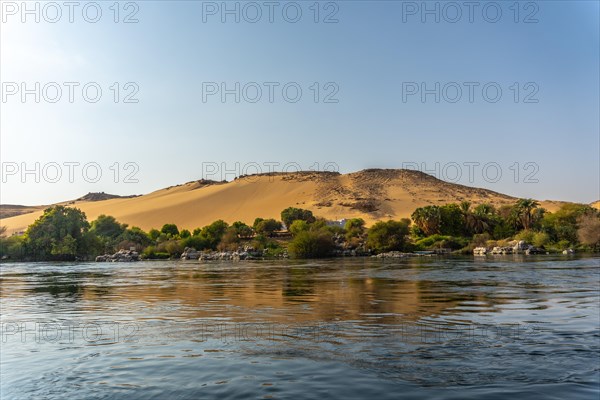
pixel 468 217
pixel 483 217
pixel 524 209
pixel 428 219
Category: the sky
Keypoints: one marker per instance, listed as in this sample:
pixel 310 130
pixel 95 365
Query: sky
pixel 137 96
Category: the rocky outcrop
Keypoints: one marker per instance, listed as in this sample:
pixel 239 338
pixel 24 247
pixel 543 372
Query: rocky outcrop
pixel 502 250
pixel 189 253
pixel 358 252
pixel 480 251
pixel 515 247
pixel 120 256
pixel 242 253
pixel 522 247
pixel 399 254
pixel 226 256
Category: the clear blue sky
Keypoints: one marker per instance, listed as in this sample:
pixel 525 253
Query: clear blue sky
pixel 372 55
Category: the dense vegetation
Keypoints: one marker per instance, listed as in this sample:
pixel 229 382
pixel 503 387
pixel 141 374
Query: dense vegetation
pixel 63 233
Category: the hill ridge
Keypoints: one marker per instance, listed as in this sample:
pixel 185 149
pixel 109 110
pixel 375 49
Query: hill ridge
pixel 373 194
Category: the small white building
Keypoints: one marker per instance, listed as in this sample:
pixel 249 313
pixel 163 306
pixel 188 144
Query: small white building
pixel 340 223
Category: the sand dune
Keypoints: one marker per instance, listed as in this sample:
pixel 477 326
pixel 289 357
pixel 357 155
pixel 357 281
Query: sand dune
pixel 370 194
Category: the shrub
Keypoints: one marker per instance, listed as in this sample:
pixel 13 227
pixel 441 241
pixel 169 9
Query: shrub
pixel 311 244
pixel 525 235
pixel 12 247
pixel 127 244
pixel 480 240
pixel 540 239
pixel 150 253
pixel 298 226
pixel 229 240
pixel 589 229
pixel 196 242
pixel 174 247
pixel 387 236
pixel 445 241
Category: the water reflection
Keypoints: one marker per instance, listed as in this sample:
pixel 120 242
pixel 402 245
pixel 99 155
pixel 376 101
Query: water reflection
pixel 350 328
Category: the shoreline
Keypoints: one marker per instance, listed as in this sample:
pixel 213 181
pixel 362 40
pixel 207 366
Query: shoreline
pixel 404 256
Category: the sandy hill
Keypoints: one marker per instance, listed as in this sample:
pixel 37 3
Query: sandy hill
pixel 374 194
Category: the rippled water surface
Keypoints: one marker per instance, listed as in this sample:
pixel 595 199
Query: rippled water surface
pixel 347 329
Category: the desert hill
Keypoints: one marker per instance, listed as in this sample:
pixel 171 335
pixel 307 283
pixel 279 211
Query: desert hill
pixel 372 194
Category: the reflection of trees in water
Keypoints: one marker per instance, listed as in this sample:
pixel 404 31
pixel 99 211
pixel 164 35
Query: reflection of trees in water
pixel 297 282
pixel 76 285
pixel 360 290
pixel 57 288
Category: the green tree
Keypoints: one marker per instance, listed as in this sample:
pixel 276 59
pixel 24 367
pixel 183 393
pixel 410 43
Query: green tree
pixel 154 234
pixel 136 236
pixel 428 219
pixel 257 221
pixel 298 226
pixel 292 214
pixel 58 234
pixel 107 227
pixel 213 233
pixel 242 230
pixel 354 227
pixel 484 218
pixel 524 209
pixel 451 220
pixel 467 216
pixel 387 236
pixel 268 227
pixel 65 247
pixel 184 234
pixel 108 231
pixel 506 222
pixel 196 242
pixel 563 224
pixel 170 229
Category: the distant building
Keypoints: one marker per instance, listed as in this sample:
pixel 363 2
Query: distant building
pixel 340 223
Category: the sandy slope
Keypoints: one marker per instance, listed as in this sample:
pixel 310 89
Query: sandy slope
pixel 371 194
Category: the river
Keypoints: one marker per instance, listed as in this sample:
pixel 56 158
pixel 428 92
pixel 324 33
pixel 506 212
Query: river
pixel 435 328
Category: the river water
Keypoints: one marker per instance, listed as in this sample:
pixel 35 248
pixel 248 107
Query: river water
pixel 435 328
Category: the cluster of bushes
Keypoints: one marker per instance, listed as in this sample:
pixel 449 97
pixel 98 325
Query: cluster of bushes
pixel 63 233
pixel 459 226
